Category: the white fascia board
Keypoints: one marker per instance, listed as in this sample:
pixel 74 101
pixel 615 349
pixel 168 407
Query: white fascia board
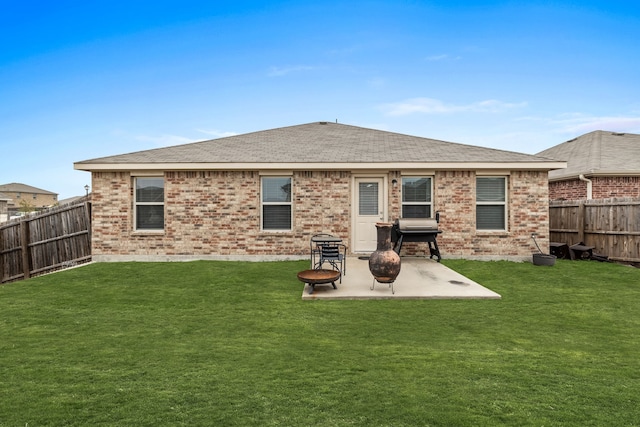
pixel 575 175
pixel 320 166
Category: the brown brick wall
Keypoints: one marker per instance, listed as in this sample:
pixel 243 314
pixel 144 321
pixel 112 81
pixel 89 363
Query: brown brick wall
pixel 454 198
pixel 218 213
pixel 602 187
pixel 35 200
pixel 572 189
pixel 605 187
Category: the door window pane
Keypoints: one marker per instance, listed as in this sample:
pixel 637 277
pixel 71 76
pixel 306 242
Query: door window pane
pixel 368 198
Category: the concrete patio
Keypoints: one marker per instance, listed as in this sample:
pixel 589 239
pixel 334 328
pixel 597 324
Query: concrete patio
pixel 419 278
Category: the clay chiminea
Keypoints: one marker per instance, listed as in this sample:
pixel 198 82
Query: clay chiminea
pixel 384 263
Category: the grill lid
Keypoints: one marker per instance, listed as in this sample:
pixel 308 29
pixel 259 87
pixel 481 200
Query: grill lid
pixel 417 224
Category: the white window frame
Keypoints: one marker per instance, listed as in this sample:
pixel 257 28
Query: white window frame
pixel 403 203
pixel 136 203
pixel 278 203
pixel 504 203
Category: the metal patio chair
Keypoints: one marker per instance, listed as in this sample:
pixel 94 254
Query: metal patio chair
pixel 328 249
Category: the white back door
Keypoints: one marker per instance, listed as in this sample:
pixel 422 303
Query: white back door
pixel 369 209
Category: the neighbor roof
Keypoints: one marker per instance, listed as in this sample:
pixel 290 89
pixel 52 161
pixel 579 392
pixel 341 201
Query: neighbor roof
pixel 597 153
pixel 318 145
pixel 16 187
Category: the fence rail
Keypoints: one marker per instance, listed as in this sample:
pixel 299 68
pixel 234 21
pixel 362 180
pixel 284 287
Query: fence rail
pixel 51 240
pixel 612 226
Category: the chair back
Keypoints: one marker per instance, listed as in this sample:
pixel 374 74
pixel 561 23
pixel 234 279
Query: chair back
pixel 328 251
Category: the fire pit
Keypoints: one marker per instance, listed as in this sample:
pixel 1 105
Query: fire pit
pixel 417 230
pixel 318 277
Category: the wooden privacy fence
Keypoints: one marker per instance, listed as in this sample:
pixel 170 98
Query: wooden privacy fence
pixel 51 240
pixel 612 226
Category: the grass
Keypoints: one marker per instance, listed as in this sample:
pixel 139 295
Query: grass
pixel 233 344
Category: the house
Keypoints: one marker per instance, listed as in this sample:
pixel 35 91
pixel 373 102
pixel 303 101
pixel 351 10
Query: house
pixel 26 196
pixel 600 165
pixel 262 195
pixel 4 208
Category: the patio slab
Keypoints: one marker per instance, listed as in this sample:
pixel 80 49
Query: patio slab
pixel 419 278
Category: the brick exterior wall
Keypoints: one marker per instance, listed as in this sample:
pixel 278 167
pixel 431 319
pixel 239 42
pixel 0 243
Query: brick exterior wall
pixel 602 187
pixel 605 187
pixel 34 200
pixel 217 214
pixel 454 198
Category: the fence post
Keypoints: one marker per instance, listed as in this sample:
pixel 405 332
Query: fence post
pixel 581 210
pixel 87 212
pixel 24 240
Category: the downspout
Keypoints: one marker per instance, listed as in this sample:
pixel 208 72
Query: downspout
pixel 589 186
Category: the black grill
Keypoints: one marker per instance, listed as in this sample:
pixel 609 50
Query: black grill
pixel 421 230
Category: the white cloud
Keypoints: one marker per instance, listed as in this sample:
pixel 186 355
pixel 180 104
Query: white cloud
pixel 282 71
pixel 580 124
pixel 435 106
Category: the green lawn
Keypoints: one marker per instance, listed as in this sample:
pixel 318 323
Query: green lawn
pixel 233 344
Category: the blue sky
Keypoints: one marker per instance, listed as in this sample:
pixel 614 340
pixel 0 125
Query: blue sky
pixel 80 80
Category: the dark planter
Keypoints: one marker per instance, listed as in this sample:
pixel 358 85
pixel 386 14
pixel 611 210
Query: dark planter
pixel 384 263
pixel 544 259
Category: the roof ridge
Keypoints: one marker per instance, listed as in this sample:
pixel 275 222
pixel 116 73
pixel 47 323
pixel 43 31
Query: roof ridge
pixel 21 187
pixel 595 153
pixel 316 143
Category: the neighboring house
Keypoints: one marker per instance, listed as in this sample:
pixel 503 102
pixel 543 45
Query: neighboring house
pixel 262 195
pixel 22 194
pixel 600 165
pixel 4 208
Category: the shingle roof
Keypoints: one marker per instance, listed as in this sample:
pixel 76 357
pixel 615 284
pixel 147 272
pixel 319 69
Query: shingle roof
pixel 597 153
pixel 318 142
pixel 16 187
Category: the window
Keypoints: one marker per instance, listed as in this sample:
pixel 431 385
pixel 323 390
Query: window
pixel 416 197
pixel 491 203
pixel 149 203
pixel 276 203
pixel 368 199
